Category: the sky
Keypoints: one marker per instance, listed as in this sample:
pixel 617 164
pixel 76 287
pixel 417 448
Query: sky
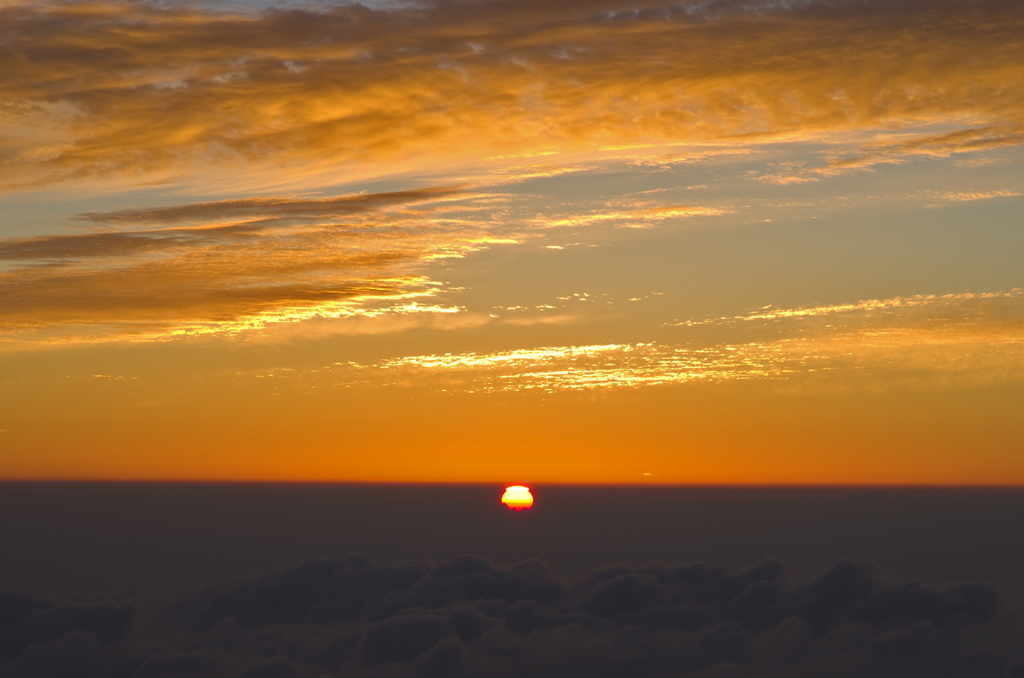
pixel 513 242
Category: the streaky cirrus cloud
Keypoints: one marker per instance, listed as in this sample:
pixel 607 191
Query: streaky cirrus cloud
pixel 639 217
pixel 279 207
pixel 1002 308
pixel 970 196
pixel 928 145
pixel 909 147
pixel 239 264
pixel 926 340
pixel 873 360
pixel 219 221
pixel 236 265
pixel 122 90
pixel 898 148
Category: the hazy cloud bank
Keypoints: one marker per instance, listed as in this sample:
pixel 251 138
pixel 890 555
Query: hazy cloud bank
pixel 470 617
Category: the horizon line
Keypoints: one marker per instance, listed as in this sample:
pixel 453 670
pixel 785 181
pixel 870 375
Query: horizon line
pixel 496 484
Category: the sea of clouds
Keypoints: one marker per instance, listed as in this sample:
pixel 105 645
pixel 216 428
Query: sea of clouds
pixel 351 616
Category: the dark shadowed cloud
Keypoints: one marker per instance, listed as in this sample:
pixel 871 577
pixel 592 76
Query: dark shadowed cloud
pixel 260 208
pixel 470 617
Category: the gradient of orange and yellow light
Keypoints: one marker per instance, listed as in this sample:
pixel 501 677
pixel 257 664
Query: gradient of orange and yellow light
pixel 582 242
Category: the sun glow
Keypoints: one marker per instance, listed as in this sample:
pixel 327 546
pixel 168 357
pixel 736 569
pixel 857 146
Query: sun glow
pixel 563 242
pixel 517 498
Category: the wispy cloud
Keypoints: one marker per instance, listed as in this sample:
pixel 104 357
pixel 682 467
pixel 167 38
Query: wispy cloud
pixel 584 367
pixel 965 307
pixel 237 265
pixel 633 218
pixel 970 196
pixel 131 90
pixel 895 149
pixel 931 340
pixel 932 146
pixel 273 208
pixel 231 266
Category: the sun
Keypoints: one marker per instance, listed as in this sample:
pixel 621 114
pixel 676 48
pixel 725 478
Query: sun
pixel 517 498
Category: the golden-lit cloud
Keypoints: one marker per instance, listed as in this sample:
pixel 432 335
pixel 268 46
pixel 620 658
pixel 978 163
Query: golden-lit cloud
pixel 923 341
pixel 983 308
pixel 126 91
pixel 583 367
pixel 642 217
pixel 273 210
pixel 969 196
pixel 894 149
pixel 349 264
pixel 237 265
pixel 930 146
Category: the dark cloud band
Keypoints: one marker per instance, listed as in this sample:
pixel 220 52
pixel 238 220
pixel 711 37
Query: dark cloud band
pixel 471 617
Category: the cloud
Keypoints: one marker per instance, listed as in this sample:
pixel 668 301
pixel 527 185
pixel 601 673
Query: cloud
pixel 129 91
pixel 931 146
pixel 261 214
pixel 785 179
pixel 279 209
pixel 865 359
pixel 351 264
pixel 934 340
pixel 899 148
pixel 29 621
pixel 1000 307
pixel 236 265
pixel 471 617
pixel 982 162
pixel 643 217
pixel 953 196
pixel 567 368
pixel 266 102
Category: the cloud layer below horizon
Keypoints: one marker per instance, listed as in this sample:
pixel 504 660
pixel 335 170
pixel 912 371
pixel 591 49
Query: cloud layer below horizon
pixel 472 617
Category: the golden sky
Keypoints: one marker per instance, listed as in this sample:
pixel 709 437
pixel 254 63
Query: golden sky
pixel 725 242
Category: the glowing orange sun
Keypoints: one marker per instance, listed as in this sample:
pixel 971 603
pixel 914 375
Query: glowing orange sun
pixel 517 498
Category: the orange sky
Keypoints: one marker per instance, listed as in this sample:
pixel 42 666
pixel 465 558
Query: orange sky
pixel 512 242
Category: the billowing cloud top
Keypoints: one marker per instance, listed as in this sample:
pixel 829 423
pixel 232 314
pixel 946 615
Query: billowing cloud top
pixel 471 617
